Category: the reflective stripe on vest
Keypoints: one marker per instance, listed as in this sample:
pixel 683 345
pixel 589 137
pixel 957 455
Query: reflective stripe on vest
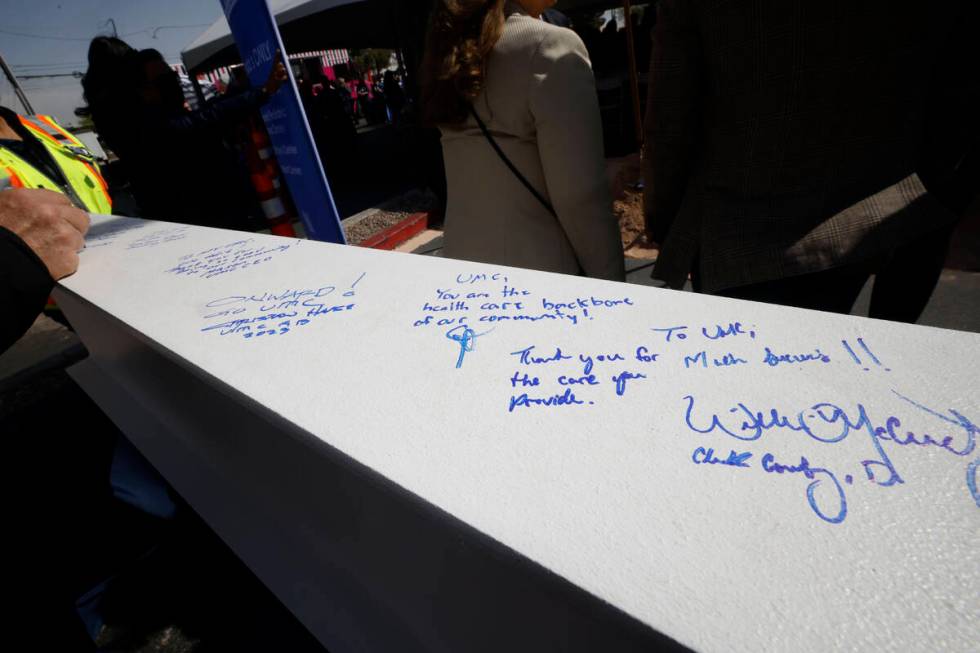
pixel 10 179
pixel 76 163
pixel 47 128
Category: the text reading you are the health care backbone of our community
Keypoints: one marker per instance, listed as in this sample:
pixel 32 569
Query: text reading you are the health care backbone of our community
pixel 472 306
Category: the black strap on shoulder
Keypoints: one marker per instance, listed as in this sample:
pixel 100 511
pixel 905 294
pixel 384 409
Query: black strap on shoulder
pixel 517 173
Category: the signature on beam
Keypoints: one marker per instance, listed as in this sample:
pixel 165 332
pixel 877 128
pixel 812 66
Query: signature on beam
pixel 466 337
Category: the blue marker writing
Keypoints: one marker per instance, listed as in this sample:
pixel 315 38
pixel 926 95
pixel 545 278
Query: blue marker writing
pixel 466 337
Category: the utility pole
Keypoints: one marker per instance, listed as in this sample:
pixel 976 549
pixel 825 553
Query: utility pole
pixel 17 89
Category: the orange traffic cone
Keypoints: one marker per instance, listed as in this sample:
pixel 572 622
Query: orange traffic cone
pixel 266 179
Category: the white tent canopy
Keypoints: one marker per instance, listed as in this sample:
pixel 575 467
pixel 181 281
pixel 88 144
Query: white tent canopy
pixel 218 37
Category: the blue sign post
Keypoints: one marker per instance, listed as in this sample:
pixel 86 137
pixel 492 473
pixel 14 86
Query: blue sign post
pixel 257 37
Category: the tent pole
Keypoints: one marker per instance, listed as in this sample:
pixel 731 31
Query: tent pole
pixel 194 82
pixel 634 74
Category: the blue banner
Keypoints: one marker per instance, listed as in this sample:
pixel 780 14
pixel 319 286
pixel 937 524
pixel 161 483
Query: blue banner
pixel 257 37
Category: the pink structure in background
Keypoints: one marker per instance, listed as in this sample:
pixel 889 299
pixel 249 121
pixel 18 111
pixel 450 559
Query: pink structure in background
pixel 328 58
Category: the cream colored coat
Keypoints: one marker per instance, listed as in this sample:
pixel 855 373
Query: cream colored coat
pixel 540 105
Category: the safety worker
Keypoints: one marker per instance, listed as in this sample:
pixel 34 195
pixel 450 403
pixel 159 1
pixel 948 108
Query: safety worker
pixel 36 152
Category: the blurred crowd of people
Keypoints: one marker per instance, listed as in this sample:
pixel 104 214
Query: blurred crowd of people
pixel 779 165
pixel 177 161
pixel 754 170
pixel 367 100
pixel 607 42
pixel 335 109
pixel 166 136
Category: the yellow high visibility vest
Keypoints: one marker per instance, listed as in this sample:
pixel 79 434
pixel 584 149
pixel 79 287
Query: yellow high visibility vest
pixel 86 187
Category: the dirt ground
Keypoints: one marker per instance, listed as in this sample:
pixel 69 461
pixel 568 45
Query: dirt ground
pixel 625 180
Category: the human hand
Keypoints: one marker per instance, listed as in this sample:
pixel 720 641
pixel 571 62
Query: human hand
pixel 49 224
pixel 277 76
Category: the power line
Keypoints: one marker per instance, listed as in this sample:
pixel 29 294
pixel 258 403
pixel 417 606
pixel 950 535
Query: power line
pixel 75 74
pixel 39 85
pixel 45 80
pixel 42 36
pixel 163 27
pixel 151 30
pixel 54 64
pixel 64 66
pixel 20 72
pixel 49 72
pixel 47 65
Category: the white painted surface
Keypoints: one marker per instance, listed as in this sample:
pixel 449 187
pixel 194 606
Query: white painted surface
pixel 605 493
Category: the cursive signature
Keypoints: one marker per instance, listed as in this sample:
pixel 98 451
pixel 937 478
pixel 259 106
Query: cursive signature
pixel 466 337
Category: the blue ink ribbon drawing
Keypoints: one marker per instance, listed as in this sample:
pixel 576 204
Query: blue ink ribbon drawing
pixel 466 337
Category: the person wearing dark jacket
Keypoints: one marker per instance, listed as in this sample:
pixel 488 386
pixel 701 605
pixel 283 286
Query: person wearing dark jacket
pixel 181 169
pixel 783 169
pixel 40 236
pixel 178 163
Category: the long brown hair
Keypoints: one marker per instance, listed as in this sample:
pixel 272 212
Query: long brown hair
pixel 462 34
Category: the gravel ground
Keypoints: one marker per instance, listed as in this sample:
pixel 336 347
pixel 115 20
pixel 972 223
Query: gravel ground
pixel 360 231
pixel 389 214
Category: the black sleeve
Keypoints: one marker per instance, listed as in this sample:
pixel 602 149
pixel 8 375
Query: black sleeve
pixel 673 115
pixel 24 288
pixel 949 160
pixel 221 112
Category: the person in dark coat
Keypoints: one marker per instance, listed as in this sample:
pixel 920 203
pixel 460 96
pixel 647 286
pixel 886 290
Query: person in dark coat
pixel 179 166
pixel 40 236
pixel 110 87
pixel 182 171
pixel 394 97
pixel 783 166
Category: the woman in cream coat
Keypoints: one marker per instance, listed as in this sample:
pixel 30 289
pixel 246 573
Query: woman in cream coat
pixel 532 85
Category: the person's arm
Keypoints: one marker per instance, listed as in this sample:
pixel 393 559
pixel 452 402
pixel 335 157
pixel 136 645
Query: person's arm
pixel 565 108
pixel 24 287
pixel 673 117
pixel 229 110
pixel 949 158
pixel 220 112
pixel 41 234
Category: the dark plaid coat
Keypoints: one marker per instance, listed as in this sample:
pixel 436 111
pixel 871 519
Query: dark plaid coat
pixel 783 135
